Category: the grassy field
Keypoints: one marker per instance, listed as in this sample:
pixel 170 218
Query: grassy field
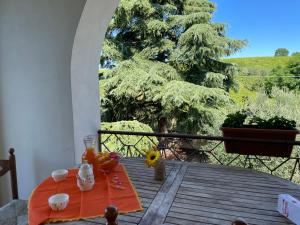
pixel 260 62
pixel 251 75
pixel 247 89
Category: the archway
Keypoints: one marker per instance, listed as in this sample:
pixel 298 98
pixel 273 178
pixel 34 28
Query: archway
pixel 84 72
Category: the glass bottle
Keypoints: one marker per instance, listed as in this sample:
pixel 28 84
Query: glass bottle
pixel 90 154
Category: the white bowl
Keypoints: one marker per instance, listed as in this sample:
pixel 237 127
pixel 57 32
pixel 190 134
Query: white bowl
pixel 58 202
pixel 59 175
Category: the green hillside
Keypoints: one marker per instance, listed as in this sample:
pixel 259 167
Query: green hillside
pixel 251 75
pixel 248 89
pixel 266 63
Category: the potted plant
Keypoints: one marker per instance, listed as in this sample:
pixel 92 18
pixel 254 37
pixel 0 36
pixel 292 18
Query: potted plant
pixel 274 129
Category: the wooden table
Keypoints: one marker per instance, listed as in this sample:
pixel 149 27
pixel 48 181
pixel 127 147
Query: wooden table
pixel 196 193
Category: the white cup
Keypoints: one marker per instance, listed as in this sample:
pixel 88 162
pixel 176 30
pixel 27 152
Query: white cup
pixel 59 175
pixel 58 202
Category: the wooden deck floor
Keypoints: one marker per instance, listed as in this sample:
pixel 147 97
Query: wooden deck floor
pixel 205 194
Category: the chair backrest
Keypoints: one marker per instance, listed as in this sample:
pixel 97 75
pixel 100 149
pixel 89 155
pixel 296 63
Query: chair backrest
pixel 10 165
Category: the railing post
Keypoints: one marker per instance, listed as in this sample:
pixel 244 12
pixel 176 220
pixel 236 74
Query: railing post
pixel 99 142
pixel 297 163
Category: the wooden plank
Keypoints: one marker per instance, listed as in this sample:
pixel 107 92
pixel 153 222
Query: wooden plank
pixel 264 190
pixel 245 172
pixel 231 177
pixel 228 170
pixel 256 205
pixel 184 219
pixel 235 180
pixel 147 188
pixel 207 193
pixel 228 195
pixel 189 203
pixel 228 183
pixel 143 191
pixel 233 188
pixel 255 189
pixel 219 219
pixel 129 218
pixel 178 221
pixel 160 206
pixel 196 210
pixel 94 221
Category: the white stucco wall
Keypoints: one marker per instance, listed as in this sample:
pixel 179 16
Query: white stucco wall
pixel 41 110
pixel 85 59
pixel 36 41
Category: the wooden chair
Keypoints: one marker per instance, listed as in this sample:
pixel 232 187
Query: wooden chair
pixel 10 165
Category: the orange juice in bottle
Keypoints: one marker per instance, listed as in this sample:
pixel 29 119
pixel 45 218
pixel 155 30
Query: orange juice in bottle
pixel 90 154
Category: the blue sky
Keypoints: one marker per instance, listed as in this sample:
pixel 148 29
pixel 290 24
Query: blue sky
pixel 266 24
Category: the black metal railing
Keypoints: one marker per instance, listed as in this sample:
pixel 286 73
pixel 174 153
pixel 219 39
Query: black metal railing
pixel 200 148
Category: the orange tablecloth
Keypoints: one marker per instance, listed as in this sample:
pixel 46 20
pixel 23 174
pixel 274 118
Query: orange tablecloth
pixel 114 188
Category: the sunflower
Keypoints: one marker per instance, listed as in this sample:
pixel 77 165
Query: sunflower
pixel 151 157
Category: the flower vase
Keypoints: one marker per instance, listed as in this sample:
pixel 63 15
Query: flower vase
pixel 160 170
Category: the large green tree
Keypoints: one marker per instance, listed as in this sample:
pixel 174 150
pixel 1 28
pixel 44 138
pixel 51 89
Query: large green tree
pixel 162 60
pixel 281 52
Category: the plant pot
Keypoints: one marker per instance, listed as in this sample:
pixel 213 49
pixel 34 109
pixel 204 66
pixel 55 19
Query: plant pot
pixel 259 148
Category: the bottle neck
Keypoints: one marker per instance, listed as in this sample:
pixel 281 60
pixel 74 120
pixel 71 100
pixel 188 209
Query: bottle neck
pixel 91 149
